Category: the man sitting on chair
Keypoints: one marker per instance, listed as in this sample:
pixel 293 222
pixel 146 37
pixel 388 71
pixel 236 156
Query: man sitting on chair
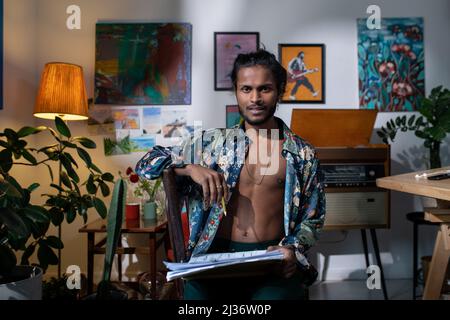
pixel 274 199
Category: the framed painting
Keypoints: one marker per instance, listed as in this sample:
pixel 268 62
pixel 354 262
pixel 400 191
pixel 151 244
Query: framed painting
pixel 391 65
pixel 232 115
pixel 305 65
pixel 227 46
pixel 143 63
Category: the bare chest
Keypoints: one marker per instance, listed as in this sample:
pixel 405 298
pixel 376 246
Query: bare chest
pixel 255 177
pixel 261 172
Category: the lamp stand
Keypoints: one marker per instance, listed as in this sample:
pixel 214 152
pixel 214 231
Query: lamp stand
pixel 59 193
pixel 59 227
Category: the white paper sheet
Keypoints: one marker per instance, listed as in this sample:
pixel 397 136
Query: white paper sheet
pixel 210 261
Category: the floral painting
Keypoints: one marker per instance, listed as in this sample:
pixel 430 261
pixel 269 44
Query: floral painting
pixel 391 64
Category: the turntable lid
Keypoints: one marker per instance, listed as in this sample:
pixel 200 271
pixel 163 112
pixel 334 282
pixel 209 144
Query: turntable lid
pixel 334 127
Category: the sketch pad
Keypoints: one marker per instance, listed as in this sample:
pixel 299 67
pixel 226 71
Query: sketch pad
pixel 225 265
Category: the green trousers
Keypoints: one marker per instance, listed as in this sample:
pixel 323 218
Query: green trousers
pixel 268 287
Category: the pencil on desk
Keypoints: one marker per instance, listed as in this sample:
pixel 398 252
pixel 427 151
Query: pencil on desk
pixel 224 207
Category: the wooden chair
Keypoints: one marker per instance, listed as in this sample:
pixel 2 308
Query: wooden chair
pixel 177 234
pixel 178 226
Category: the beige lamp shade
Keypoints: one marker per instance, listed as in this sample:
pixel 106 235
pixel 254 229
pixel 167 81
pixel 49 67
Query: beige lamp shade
pixel 62 92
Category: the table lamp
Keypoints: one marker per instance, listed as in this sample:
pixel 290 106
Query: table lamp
pixel 62 93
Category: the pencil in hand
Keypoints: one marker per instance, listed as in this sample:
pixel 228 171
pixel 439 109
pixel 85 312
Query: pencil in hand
pixel 224 207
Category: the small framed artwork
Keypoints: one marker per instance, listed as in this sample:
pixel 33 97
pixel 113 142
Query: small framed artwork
pixel 305 64
pixel 232 115
pixel 227 46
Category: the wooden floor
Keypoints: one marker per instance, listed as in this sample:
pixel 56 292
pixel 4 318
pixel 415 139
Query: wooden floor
pixel 357 290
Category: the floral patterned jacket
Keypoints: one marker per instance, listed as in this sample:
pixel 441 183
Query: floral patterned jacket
pixel 304 198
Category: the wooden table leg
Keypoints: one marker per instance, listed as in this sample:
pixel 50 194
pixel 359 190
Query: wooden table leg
pixel 438 265
pixel 119 259
pixel 152 246
pixel 90 262
pixel 166 240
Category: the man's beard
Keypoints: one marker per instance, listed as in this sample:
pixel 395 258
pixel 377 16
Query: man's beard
pixel 258 122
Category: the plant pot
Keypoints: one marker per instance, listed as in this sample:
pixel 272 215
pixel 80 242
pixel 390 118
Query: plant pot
pixel 26 284
pixel 132 211
pixel 150 210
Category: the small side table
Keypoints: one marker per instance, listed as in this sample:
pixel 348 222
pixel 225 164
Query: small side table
pixel 149 227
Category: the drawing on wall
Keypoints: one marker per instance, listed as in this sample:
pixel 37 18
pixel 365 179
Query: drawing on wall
pixel 151 120
pixel 391 64
pixel 128 141
pixel 117 145
pixel 232 116
pixel 101 120
pixel 142 143
pixel 172 122
pixel 227 46
pixel 143 63
pixel 305 65
pixel 126 118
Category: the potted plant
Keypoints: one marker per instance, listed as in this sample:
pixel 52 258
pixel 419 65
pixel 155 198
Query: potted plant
pixel 24 225
pixel 432 126
pixel 106 290
pixel 147 190
pixel 19 221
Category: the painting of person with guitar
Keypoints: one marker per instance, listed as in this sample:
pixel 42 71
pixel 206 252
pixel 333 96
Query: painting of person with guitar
pixel 297 72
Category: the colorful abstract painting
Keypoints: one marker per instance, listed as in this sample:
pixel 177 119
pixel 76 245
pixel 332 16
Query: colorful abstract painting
pixel 391 64
pixel 143 63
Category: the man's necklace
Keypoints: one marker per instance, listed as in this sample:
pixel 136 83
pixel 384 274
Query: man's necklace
pixel 252 178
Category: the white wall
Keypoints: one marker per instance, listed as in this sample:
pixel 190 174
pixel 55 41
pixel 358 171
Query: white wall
pixel 285 21
pixel 19 72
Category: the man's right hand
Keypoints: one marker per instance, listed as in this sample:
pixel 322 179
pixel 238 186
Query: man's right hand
pixel 213 183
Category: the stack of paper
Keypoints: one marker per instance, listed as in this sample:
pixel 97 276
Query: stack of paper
pixel 201 265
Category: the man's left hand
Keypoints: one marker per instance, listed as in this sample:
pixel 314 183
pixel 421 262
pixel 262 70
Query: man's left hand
pixel 289 262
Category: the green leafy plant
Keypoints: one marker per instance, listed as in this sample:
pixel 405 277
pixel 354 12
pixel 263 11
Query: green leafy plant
pixel 23 225
pixel 114 223
pixel 432 125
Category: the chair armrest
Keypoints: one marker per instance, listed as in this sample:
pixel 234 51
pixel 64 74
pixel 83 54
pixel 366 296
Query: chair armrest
pixel 173 212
